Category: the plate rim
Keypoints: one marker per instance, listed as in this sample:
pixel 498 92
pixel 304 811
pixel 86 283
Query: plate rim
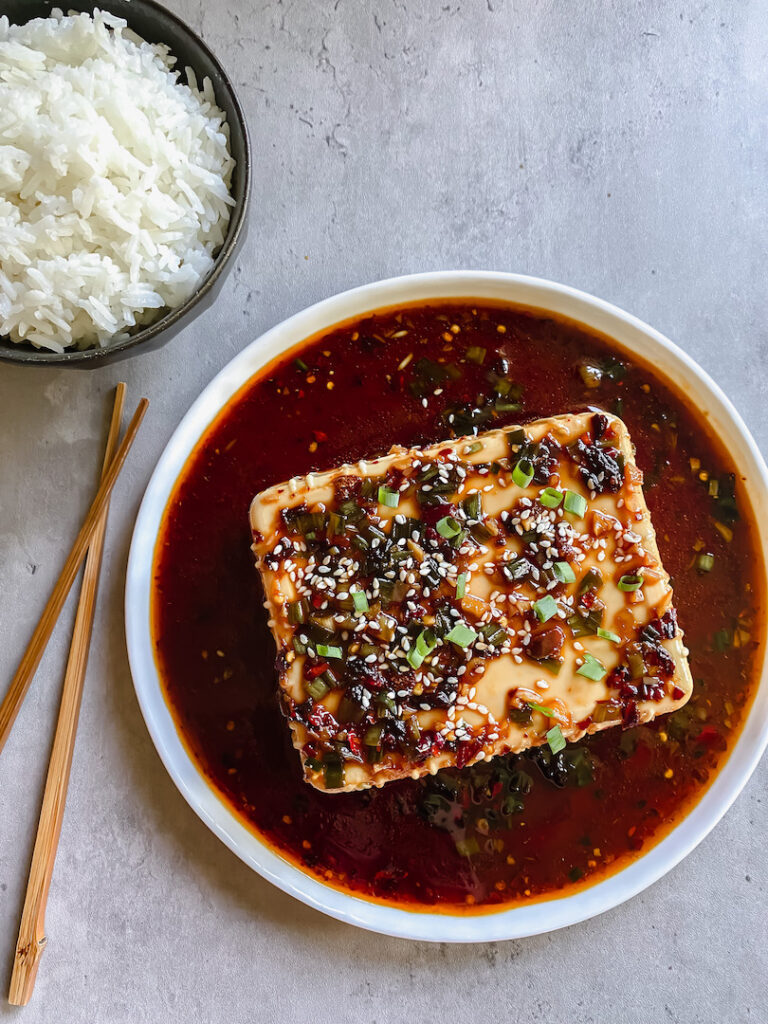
pixel 514 922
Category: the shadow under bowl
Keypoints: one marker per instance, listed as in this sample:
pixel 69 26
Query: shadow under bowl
pixel 157 25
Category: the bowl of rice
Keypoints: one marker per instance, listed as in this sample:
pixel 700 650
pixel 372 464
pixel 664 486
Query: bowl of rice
pixel 124 179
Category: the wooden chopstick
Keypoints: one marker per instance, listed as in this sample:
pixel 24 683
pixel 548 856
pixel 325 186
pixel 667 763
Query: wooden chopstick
pixel 31 942
pixel 20 683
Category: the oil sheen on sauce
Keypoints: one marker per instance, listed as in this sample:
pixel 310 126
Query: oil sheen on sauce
pixel 516 828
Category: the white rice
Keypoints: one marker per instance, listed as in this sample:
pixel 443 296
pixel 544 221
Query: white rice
pixel 114 181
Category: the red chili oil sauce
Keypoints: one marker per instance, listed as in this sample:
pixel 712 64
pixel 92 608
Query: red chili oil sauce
pixel 520 827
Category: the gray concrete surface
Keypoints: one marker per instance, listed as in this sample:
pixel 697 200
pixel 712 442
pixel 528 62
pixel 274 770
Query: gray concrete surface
pixel 617 146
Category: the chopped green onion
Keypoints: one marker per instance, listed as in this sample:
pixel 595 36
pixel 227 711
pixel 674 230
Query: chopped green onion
pixel 552 665
pixel 521 716
pixel 480 532
pixel 403 530
pixel 516 436
pixel 520 569
pixel 351 511
pixel 298 612
pixel 317 689
pixel 606 711
pixel 591 668
pixel 414 657
pixel 360 601
pixel 636 664
pixel 545 607
pixel 307 523
pixel 328 651
pixel 336 524
pixel 373 733
pixel 629 583
pixel 461 635
pixel 389 497
pixel 606 634
pixel 386 705
pixel 299 646
pixel 476 446
pixel 300 364
pixel 614 369
pixel 575 503
pixel 472 505
pixel 461 585
pixel 550 497
pixel 556 740
pixel 329 679
pixel 333 770
pixel 424 644
pixel 494 634
pixel 591 581
pixel 458 540
pixel 448 527
pixel 722 640
pixel 586 625
pixel 476 354
pixel 705 562
pixel 540 707
pixel 350 710
pixel 522 474
pixel 563 572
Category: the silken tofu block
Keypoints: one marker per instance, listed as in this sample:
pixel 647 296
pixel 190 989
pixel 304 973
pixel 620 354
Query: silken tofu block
pixel 440 606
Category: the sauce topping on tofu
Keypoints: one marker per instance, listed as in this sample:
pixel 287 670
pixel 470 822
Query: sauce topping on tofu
pixel 515 827
pixel 443 605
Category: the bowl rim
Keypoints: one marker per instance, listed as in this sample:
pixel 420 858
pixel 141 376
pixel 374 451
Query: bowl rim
pixel 528 919
pixel 235 230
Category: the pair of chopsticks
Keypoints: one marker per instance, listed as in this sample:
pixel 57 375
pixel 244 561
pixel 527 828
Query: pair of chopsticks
pixel 90 543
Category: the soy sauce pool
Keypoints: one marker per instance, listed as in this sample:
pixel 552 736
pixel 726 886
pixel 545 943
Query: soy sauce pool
pixel 520 827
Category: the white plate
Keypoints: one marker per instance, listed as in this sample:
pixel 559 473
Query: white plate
pixel 633 336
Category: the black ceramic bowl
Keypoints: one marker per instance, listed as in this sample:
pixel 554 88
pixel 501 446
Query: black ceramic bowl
pixel 157 25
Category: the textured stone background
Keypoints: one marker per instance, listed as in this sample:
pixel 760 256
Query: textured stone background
pixel 618 146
